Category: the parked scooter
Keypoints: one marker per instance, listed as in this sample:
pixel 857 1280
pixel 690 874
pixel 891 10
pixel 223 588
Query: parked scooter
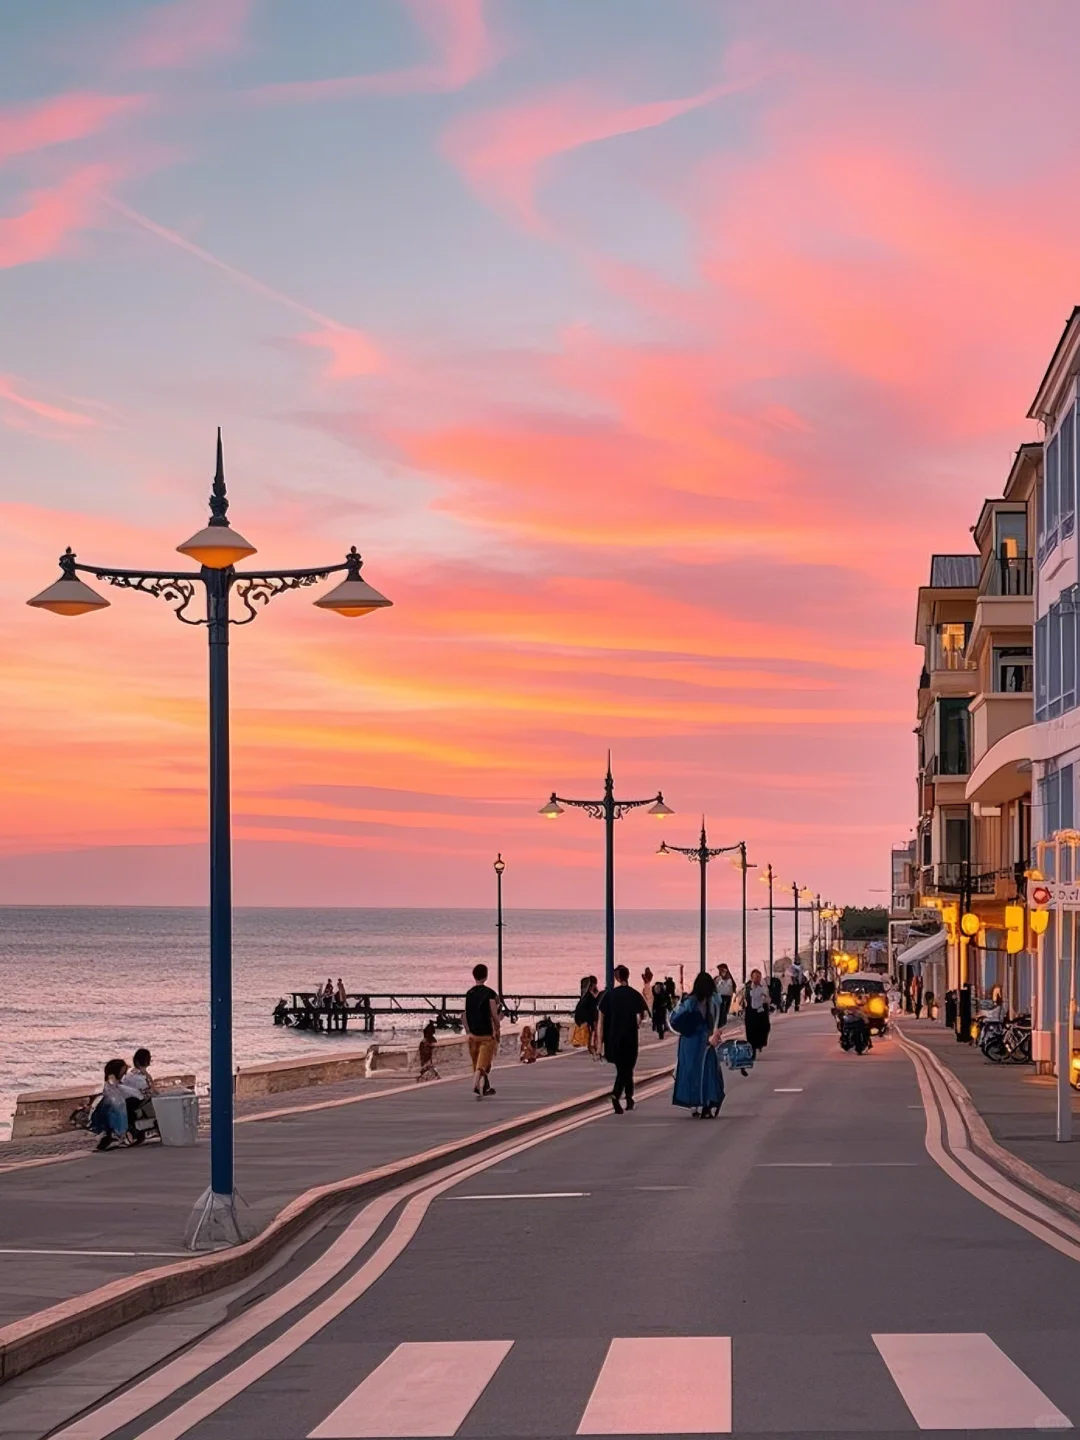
pixel 854 1031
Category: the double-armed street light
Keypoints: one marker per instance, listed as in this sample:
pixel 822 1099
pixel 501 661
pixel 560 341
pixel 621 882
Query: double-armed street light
pixel 609 810
pixel 701 854
pixel 768 878
pixel 216 549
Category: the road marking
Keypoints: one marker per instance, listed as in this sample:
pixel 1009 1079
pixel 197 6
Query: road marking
pixel 627 1400
pixel 662 1187
pixel 110 1254
pixel 420 1389
pixel 965 1382
pixel 787 1090
pixel 134 1402
pixel 526 1195
pixel 795 1165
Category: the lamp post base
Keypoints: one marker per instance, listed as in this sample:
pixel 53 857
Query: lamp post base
pixel 214 1223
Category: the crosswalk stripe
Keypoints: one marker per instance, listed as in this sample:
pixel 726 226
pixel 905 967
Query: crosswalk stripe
pixel 420 1389
pixel 628 1400
pixel 965 1382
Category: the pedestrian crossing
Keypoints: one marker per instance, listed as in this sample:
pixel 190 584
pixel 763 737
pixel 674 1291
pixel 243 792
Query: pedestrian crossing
pixel 935 1381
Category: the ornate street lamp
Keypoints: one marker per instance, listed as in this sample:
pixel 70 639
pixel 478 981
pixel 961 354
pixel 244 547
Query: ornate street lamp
pixel 701 854
pixel 216 549
pixel 500 866
pixel 609 810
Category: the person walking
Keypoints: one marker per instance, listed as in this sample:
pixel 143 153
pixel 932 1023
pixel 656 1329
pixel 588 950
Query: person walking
pixel 756 1012
pixel 482 1029
pixel 725 991
pixel 585 1013
pixel 776 993
pixel 699 1085
pixel 646 987
pixel 795 984
pixel 917 996
pixel 661 1004
pixel 620 1013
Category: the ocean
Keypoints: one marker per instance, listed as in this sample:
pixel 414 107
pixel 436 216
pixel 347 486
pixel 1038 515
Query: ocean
pixel 81 984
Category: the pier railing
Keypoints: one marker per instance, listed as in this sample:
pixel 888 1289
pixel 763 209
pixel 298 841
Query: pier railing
pixel 309 1011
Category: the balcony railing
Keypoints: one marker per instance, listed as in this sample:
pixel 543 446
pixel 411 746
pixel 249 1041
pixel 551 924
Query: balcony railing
pixel 1007 575
pixel 950 657
pixel 948 878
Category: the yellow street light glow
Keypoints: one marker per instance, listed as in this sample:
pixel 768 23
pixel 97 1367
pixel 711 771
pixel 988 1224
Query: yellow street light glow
pixel 1039 920
pixel 660 810
pixel 552 810
pixel 969 924
pixel 69 596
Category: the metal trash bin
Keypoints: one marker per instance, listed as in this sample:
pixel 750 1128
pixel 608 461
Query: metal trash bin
pixel 177 1114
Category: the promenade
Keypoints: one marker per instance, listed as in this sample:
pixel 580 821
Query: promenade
pixel 588 1281
pixel 73 1224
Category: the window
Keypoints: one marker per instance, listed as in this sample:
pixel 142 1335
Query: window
pixel 955 837
pixel 1067 474
pixel 1056 800
pixel 953 737
pixel 1010 534
pixel 1053 451
pixel 1056 658
pixel 1013 669
pixel 952 639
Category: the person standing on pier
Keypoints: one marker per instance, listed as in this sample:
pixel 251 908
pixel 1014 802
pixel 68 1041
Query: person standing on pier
pixel 620 1013
pixel 756 1012
pixel 725 991
pixel 482 1029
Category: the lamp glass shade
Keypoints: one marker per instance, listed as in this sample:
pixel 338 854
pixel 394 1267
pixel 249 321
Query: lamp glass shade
pixel 660 809
pixel 1039 920
pixel 352 598
pixel 217 547
pixel 69 596
pixel 969 923
pixel 500 865
pixel 552 809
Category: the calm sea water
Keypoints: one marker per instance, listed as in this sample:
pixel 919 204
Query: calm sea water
pixel 80 984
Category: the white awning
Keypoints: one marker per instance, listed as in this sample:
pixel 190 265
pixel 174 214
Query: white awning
pixel 923 949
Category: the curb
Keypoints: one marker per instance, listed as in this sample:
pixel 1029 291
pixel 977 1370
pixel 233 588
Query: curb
pixel 984 1144
pixel 61 1328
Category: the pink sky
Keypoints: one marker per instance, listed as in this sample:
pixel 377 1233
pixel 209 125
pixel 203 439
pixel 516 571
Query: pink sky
pixel 646 352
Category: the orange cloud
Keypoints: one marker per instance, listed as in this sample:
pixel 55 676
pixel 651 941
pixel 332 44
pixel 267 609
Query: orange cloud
pixel 59 120
pixel 351 353
pixel 463 50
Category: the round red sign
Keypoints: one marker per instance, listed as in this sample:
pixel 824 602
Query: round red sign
pixel 1040 895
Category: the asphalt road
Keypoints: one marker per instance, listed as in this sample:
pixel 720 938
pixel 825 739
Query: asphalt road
pixel 798 1266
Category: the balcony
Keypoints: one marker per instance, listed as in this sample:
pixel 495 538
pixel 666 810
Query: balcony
pixel 1007 575
pixel 948 878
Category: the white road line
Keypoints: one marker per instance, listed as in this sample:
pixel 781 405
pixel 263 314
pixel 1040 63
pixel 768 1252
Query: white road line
pixel 525 1195
pixel 787 1090
pixel 626 1399
pixel 420 1389
pixel 965 1382
pixel 133 1403
pixel 795 1165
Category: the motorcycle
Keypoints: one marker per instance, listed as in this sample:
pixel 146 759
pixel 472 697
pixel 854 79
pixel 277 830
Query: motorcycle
pixel 854 1031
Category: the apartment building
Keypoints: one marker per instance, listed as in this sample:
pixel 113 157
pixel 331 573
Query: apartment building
pixel 1055 745
pixel 974 622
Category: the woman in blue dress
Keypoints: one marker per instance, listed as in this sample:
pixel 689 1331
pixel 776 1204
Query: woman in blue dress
pixel 699 1085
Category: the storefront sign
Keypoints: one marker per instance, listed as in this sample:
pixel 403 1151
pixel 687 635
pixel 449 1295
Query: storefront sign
pixel 1050 892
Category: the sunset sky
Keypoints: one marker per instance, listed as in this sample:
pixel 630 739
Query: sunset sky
pixel 645 348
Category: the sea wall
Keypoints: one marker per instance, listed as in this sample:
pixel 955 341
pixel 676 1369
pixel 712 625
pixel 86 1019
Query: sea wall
pixel 48 1112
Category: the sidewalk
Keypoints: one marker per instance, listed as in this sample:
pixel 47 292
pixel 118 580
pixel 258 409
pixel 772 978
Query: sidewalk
pixel 1018 1106
pixel 71 1226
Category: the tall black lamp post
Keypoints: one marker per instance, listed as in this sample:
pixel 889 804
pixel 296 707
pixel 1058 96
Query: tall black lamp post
pixel 701 854
pixel 215 549
pixel 769 878
pixel 609 810
pixel 500 866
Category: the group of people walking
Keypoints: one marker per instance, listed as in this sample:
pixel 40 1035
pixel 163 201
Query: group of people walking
pixel 608 1024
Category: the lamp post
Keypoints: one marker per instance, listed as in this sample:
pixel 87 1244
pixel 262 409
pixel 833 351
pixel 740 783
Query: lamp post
pixel 768 878
pixel 795 896
pixel 702 854
pixel 216 549
pixel 609 810
pixel 500 866
pixel 744 865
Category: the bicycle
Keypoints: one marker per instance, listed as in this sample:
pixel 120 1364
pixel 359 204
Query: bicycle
pixel 1012 1046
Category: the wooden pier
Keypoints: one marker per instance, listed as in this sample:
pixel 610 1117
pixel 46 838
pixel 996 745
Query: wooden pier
pixel 309 1011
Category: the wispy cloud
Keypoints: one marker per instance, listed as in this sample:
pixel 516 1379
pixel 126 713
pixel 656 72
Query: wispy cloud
pixel 502 153
pixel 462 45
pixel 51 216
pixel 346 343
pixel 180 33
pixel 13 394
pixel 60 119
